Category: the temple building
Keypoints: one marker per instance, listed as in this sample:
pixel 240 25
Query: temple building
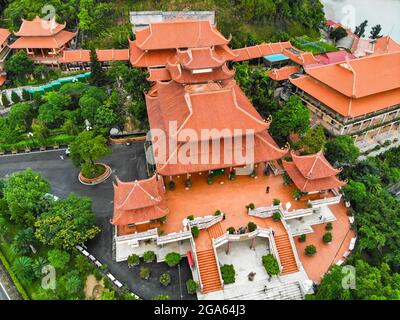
pixel 42 40
pixel 138 205
pixel 359 97
pixel 4 51
pixel 312 173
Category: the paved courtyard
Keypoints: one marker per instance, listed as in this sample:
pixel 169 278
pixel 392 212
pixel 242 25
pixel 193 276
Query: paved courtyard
pixel 128 163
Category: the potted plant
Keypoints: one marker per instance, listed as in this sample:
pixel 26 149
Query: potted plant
pixel 171 185
pixel 210 179
pixel 276 202
pixel 253 174
pixel 172 259
pixel 302 238
pixel 286 179
pixel 329 226
pixel 276 216
pixel 296 194
pixel 228 273
pixel 144 273
pixel 133 260
pixel 251 226
pixel 310 250
pixel 195 231
pixel 232 175
pixel 191 286
pixel 231 230
pixel 250 206
pixel 163 219
pixel 191 217
pixel 188 183
pixel 165 279
pixel 217 213
pixel 327 237
pixel 270 264
pixel 149 256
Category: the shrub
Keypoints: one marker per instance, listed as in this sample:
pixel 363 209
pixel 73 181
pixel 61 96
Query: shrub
pixel 165 279
pixel 172 259
pixel 250 206
pixel 327 237
pixel 5 101
pixel 144 273
pixel 251 226
pixel 310 250
pixel 58 258
pixel 217 213
pixel 276 202
pixel 15 97
pixel 232 175
pixel 228 273
pixel 329 226
pixel 231 230
pixel 270 264
pixel 25 95
pixel 133 260
pixel 97 274
pixel 191 217
pixel 296 194
pixel 276 216
pixel 195 231
pixel 149 256
pixel 286 179
pixel 302 238
pixel 191 286
pixel 210 179
pixel 171 185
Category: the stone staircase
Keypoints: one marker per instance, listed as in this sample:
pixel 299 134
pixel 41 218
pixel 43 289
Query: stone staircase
pixel 215 231
pixel 287 291
pixel 285 252
pixel 208 271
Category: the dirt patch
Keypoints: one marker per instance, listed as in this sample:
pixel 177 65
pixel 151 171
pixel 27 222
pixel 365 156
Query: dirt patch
pixel 93 288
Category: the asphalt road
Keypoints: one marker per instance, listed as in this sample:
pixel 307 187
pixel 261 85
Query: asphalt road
pixel 128 163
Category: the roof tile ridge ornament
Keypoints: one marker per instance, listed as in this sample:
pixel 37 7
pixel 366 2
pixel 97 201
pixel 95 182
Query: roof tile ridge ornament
pixel 317 157
pixel 213 28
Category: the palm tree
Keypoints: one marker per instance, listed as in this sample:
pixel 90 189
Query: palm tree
pixel 38 266
pixel 373 183
pixel 23 268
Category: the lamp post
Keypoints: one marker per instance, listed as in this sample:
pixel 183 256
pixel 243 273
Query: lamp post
pixel 30 135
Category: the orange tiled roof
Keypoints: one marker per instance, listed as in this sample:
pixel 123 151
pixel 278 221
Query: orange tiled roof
pixel 348 107
pixel 282 73
pixel 158 74
pixel 3 79
pixel 139 201
pixel 102 55
pixel 361 77
pixel 260 50
pixel 385 45
pixel 207 106
pixel 46 42
pixel 300 57
pixel 153 58
pixel 312 173
pixel 4 34
pixel 181 75
pixel 39 27
pixel 179 34
pixel 199 58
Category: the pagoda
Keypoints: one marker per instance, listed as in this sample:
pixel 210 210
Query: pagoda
pixel 312 173
pixel 42 40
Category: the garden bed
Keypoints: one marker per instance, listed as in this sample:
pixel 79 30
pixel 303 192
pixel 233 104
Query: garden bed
pixel 104 174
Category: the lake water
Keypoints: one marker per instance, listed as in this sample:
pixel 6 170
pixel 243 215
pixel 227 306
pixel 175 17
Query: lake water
pixel 352 12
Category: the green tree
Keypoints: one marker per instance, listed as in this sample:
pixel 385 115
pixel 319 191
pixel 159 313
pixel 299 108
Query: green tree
pixel 87 148
pixel 342 150
pixel 40 131
pixel 4 101
pixel 375 31
pixel 106 117
pixel 313 140
pixel 67 223
pixel 15 97
pixel 58 258
pixel 22 241
pixel 70 286
pixel 50 115
pixel 331 287
pixel 360 30
pixel 23 268
pixel 338 33
pixel 89 106
pixel 20 115
pixel 97 74
pixel 25 192
pixel 108 294
pixel 19 65
pixel 292 117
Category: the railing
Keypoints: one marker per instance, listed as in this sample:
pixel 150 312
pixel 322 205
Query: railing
pixel 273 249
pixel 325 201
pixel 172 237
pixel 219 269
pixel 205 222
pixel 152 233
pixel 265 212
pixel 193 245
pixel 297 213
pixel 274 169
pixel 296 256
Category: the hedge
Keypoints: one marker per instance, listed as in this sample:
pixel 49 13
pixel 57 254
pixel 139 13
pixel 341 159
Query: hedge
pixel 14 278
pixel 59 139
